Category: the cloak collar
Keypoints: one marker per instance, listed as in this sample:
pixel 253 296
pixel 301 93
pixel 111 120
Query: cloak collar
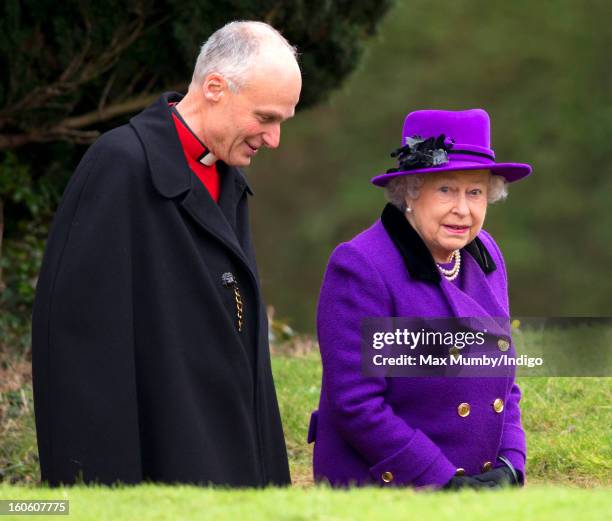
pixel 192 144
pixel 169 170
pixel 172 177
pixel 419 261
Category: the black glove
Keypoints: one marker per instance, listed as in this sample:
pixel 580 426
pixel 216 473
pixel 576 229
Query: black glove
pixel 459 482
pixel 504 476
pixel 512 476
pixel 499 477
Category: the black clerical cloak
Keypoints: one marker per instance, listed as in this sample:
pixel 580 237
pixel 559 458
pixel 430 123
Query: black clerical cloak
pixel 141 370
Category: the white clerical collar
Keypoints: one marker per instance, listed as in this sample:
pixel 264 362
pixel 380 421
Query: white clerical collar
pixel 208 159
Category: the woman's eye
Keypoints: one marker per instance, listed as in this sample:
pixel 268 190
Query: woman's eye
pixel 444 189
pixel 476 191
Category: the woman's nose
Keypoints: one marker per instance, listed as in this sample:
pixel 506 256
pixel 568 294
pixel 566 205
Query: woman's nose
pixel 461 206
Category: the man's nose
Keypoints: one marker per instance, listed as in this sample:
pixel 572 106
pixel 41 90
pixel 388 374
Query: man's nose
pixel 272 137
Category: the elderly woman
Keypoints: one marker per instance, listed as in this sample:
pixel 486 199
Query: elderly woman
pixel 427 256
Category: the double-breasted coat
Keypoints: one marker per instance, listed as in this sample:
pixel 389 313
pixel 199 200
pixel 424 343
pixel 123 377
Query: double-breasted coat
pixel 416 431
pixel 141 371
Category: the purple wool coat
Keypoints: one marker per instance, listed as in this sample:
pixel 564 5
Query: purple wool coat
pixel 407 431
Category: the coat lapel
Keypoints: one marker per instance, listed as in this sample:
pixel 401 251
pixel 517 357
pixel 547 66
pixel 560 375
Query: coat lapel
pixel 208 214
pixel 233 186
pixel 478 305
pixel 476 299
pixel 172 177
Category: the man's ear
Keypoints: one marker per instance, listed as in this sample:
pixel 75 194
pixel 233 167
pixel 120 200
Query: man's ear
pixel 214 87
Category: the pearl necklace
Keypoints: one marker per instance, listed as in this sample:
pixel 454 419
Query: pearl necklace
pixel 453 273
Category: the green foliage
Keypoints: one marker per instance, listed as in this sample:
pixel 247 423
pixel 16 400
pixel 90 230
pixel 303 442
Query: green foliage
pixel 21 263
pixel 15 181
pixel 18 187
pixel 18 454
pixel 32 205
pixel 76 53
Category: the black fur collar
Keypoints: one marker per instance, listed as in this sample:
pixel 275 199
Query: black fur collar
pixel 418 259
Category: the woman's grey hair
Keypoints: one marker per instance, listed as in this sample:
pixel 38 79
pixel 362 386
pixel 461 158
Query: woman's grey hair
pixel 404 186
pixel 231 51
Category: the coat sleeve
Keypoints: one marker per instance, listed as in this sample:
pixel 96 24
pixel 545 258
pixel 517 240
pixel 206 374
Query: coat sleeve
pixel 352 289
pixel 84 373
pixel 513 443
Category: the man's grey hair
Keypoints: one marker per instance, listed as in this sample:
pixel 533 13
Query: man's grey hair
pixel 231 51
pixel 404 186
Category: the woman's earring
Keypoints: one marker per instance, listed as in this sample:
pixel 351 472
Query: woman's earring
pixel 408 209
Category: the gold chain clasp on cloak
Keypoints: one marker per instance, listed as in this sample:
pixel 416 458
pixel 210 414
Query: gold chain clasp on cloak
pixel 229 281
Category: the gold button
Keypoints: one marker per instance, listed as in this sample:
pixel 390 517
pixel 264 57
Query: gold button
pixel 498 405
pixel 387 477
pixel 486 466
pixel 464 409
pixel 503 344
pixel 454 351
pixel 460 472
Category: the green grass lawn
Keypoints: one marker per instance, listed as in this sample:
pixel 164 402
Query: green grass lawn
pixel 569 467
pixel 150 503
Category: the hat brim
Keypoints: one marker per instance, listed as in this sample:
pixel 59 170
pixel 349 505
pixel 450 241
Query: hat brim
pixel 510 171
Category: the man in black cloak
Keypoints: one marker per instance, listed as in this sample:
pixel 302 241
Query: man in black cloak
pixel 150 340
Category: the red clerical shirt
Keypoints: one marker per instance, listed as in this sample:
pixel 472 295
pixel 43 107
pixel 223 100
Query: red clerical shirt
pixel 194 151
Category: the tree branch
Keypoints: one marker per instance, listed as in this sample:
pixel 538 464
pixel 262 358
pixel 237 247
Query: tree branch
pixel 68 80
pixel 106 90
pixel 117 109
pixel 68 129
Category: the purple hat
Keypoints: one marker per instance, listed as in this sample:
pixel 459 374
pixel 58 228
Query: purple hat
pixel 445 141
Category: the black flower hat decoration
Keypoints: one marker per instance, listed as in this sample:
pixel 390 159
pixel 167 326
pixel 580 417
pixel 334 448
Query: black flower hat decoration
pixel 422 153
